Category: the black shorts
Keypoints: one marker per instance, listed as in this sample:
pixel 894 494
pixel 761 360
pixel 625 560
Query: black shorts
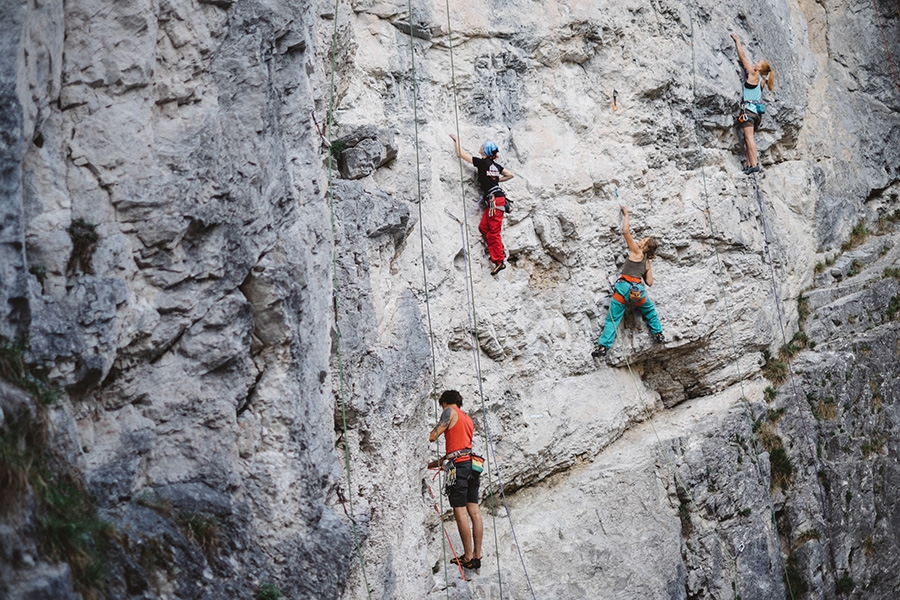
pixel 749 118
pixel 465 489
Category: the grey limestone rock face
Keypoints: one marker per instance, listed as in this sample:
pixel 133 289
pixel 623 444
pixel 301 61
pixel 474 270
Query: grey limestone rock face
pixel 365 150
pixel 250 346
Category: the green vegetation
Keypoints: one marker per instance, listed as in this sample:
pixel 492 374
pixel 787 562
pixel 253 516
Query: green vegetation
pixel 201 530
pixel 774 370
pixel 893 308
pixel 825 409
pixel 197 528
pixel 684 514
pixel 875 445
pixel 803 310
pixel 845 584
pixel 869 546
pixel 775 414
pixel 268 591
pixel 885 221
pixel 84 241
pixel 336 149
pixel 769 394
pixel 858 235
pixel 891 272
pixel 39 272
pixel 67 524
pixel 799 342
pixel 877 399
pixel 782 468
pixel 14 370
pixel 855 268
pixel 793 580
pixel 64 513
pixel 70 531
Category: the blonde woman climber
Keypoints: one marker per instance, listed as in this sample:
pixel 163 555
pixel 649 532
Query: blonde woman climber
pixel 752 107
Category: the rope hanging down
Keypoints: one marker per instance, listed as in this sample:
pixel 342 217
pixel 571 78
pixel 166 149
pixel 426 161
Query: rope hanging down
pixel 803 422
pixel 487 432
pixel 464 225
pixel 334 283
pixel 671 462
pixel 440 503
pixel 473 322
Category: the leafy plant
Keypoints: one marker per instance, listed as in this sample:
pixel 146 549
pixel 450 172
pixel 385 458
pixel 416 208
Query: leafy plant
pixel 803 310
pixel 268 591
pixel 39 272
pixel 793 580
pixel 201 530
pixel 845 584
pixel 337 148
pixel 893 308
pixel 782 468
pixel 14 369
pixel 684 515
pixel 858 235
pixel 70 531
pixel 774 370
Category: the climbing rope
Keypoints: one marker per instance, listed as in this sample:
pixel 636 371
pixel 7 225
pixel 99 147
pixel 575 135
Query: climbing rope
pixel 887 47
pixel 415 84
pixel 464 225
pixel 473 324
pixel 803 422
pixel 662 451
pixel 440 513
pixel 487 432
pixel 334 284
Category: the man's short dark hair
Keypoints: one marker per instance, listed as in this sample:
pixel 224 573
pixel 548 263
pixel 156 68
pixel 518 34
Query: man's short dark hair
pixel 451 397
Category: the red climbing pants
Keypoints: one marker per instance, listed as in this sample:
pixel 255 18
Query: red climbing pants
pixel 490 228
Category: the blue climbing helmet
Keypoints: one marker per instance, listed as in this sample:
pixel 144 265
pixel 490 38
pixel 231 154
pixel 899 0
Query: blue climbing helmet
pixel 489 148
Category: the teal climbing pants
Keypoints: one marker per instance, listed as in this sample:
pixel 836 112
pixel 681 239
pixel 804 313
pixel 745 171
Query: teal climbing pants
pixel 617 311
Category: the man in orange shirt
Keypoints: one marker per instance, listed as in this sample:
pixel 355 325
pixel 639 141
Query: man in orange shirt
pixel 457 429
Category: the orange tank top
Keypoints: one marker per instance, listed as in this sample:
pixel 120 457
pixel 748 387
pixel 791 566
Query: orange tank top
pixel 459 436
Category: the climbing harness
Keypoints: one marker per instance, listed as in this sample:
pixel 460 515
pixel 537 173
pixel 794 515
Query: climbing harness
pixel 487 201
pixel 492 454
pixel 735 354
pixel 636 295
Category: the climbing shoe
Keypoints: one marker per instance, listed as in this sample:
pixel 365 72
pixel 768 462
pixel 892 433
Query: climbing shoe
pixel 659 338
pixel 750 170
pixel 473 563
pixel 498 267
pixel 599 351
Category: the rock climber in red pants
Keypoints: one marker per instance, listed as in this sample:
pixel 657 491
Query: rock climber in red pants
pixel 493 198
